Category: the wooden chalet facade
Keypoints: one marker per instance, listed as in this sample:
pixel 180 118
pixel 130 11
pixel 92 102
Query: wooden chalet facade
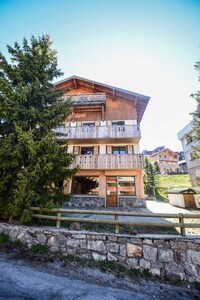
pixel 166 159
pixel 103 133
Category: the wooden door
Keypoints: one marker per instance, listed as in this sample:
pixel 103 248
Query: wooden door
pixel 111 191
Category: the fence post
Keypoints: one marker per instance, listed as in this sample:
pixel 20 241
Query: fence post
pixel 181 220
pixel 116 225
pixel 58 222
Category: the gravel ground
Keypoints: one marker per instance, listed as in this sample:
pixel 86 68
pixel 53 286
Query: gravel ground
pixel 26 275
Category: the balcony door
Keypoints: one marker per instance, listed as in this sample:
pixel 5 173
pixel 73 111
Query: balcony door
pixel 111 191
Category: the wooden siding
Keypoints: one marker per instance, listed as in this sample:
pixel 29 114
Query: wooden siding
pixel 108 161
pixel 115 110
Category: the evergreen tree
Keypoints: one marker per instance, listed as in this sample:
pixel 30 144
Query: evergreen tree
pixel 150 182
pixel 196 118
pixel 33 160
pixel 157 168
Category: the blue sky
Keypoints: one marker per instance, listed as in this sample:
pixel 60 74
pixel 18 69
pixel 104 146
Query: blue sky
pixel 147 46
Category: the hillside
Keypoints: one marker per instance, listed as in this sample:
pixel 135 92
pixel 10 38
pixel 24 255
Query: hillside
pixel 167 182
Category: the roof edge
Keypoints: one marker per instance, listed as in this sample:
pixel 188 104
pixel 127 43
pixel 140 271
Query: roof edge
pixel 147 98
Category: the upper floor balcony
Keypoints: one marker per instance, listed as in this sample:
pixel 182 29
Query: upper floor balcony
pixel 109 161
pixel 87 99
pixel 101 134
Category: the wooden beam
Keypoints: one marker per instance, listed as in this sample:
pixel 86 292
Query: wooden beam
pixel 103 113
pixel 75 84
pixel 113 94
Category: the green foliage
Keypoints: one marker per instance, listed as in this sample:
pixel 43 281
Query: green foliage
pixel 196 114
pixel 167 182
pixel 140 272
pixel 40 248
pixel 195 134
pixel 150 182
pixel 3 237
pixel 20 245
pixel 33 160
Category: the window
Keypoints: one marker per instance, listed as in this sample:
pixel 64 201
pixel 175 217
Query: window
pixel 126 186
pixel 87 150
pixel 119 150
pixel 88 124
pixel 85 185
pixel 189 139
pixel 118 123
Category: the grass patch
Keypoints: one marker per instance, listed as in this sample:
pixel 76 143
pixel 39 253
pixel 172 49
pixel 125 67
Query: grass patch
pixel 40 248
pixel 20 245
pixel 3 237
pixel 166 182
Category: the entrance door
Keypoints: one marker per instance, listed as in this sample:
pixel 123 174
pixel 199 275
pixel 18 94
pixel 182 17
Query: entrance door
pixel 111 191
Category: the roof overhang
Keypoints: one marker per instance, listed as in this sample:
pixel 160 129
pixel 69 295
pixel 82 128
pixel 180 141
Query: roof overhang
pixel 74 82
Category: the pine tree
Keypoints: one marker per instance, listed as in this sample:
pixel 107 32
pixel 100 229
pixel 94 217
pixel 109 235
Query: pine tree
pixel 33 160
pixel 196 119
pixel 150 182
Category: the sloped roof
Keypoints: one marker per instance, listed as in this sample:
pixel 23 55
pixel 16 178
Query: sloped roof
pixel 155 153
pixel 181 191
pixel 75 82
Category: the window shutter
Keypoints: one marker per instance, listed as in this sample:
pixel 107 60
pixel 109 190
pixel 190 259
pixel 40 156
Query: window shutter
pixel 96 150
pixel 109 149
pixel 76 150
pixel 130 149
pixel 96 123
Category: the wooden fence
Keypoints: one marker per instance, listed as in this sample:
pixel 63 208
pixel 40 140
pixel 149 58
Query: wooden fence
pixel 116 222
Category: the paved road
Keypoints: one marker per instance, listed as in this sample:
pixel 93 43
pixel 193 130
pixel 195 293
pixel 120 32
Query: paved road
pixel 21 281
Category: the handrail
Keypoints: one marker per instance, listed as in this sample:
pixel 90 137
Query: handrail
pixel 116 215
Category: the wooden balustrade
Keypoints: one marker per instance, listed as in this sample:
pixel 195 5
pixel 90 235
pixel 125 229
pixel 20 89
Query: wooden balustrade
pixel 100 132
pixel 87 99
pixel 40 214
pixel 108 161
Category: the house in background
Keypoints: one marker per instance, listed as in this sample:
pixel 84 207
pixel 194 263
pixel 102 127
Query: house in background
pixel 164 158
pixel 186 136
pixel 103 133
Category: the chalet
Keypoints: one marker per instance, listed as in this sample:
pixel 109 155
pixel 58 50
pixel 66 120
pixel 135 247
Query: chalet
pixel 166 159
pixel 103 133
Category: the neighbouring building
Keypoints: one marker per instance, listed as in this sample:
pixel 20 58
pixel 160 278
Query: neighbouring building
pixel 103 133
pixel 186 136
pixel 166 159
pixel 182 162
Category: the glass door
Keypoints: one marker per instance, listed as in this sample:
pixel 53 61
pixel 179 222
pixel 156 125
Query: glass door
pixel 111 191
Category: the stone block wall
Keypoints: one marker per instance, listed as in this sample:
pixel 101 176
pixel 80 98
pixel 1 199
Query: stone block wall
pixel 131 202
pixel 173 256
pixel 85 202
pixel 96 202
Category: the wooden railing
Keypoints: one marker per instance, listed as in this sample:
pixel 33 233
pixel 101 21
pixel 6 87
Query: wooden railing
pixel 116 222
pixel 108 161
pixel 100 132
pixel 87 99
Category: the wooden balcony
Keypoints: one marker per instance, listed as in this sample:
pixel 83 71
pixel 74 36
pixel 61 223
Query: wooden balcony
pixel 108 161
pixel 87 99
pixel 104 133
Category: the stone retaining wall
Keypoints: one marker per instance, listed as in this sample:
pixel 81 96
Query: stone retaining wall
pixel 131 202
pixel 97 202
pixel 173 256
pixel 85 202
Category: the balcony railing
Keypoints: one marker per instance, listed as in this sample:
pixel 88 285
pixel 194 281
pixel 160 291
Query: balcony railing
pixel 100 132
pixel 87 99
pixel 108 161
